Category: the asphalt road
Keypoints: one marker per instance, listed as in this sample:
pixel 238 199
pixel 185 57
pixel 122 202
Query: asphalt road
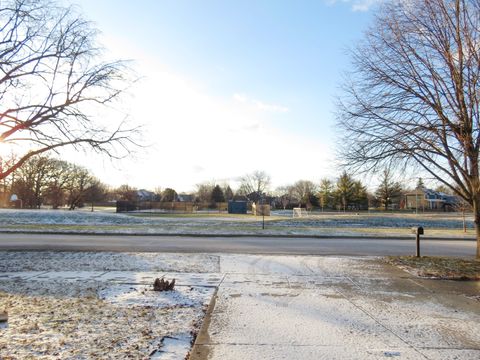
pixel 246 245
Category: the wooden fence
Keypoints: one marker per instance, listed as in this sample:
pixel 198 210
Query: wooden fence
pixel 170 206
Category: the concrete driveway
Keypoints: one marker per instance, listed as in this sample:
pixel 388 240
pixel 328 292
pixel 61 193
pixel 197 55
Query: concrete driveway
pixel 287 307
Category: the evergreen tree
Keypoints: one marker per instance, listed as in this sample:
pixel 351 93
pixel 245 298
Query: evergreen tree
pixel 360 195
pixel 388 190
pixel 420 184
pixel 228 193
pixel 345 190
pixel 325 194
pixel 169 195
pixel 217 194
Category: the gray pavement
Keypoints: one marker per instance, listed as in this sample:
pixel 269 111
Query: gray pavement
pixel 337 308
pixel 246 245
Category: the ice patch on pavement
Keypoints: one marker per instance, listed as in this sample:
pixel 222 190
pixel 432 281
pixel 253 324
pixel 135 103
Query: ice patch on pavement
pixel 173 348
pixel 391 353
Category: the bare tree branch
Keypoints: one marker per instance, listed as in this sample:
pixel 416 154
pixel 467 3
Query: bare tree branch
pixel 52 81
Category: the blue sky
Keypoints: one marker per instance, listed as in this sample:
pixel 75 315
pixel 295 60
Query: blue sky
pixel 229 87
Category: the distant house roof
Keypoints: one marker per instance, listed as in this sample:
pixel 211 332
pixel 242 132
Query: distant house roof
pixel 433 195
pixel 145 195
pixel 185 197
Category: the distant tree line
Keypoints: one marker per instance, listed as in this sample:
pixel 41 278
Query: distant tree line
pixel 46 181
pixel 43 180
pixel 344 194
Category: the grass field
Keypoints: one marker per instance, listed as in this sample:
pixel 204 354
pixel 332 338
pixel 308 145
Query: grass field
pixel 280 223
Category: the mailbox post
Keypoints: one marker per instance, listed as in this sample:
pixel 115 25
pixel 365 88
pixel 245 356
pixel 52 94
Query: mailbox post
pixel 417 230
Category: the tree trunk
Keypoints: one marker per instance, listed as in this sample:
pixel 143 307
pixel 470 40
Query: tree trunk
pixel 476 214
pixel 477 231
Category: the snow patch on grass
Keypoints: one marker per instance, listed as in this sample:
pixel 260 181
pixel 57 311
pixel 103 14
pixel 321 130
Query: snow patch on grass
pixel 66 305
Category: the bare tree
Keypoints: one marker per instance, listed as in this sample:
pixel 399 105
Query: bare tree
pixel 97 191
pixel 60 178
pixel 413 99
pixel 126 193
pixel 254 185
pixel 204 192
pixel 284 195
pixel 303 190
pixel 52 83
pixel 32 181
pixel 78 186
pixel 43 180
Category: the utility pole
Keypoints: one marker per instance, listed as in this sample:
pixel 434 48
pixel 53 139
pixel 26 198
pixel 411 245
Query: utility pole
pixel 416 200
pixel 263 211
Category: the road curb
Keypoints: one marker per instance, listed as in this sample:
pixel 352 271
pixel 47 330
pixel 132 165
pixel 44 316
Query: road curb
pixel 200 348
pixel 216 235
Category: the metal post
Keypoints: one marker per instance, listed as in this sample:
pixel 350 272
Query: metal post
pixel 418 230
pixel 263 213
pixel 418 244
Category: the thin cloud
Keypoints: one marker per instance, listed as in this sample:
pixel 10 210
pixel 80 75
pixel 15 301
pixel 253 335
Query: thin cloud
pixel 241 98
pixel 270 107
pixel 198 169
pixel 356 5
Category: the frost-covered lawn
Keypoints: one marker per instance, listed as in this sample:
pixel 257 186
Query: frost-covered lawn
pixel 216 223
pixel 438 267
pixel 101 305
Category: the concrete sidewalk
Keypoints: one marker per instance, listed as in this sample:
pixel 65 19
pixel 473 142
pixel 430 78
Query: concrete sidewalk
pixel 274 307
